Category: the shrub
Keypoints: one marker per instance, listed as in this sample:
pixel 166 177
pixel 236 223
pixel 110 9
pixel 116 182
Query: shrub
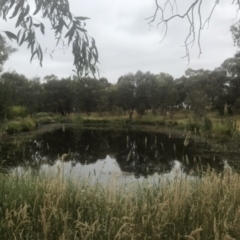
pixel 45 120
pixel 27 124
pixel 76 119
pixel 193 126
pixel 222 129
pixel 13 127
pixel 62 119
pixel 17 111
pixel 42 115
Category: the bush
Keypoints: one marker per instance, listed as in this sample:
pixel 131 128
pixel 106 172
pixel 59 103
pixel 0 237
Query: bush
pixel 13 127
pixel 62 119
pixel 19 126
pixel 76 119
pixel 41 115
pixel 27 124
pixel 45 120
pixel 193 126
pixel 222 129
pixel 17 111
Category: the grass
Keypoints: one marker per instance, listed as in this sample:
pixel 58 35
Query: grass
pixel 16 126
pixel 47 207
pixel 212 126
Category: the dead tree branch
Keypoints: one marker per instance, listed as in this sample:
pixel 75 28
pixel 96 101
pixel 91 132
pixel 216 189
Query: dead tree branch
pixel 167 10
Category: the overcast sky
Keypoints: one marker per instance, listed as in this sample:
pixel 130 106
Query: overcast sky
pixel 126 44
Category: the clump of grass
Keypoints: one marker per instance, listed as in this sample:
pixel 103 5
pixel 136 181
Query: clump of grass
pixel 221 129
pixel 62 119
pixel 44 114
pixel 26 124
pixel 13 127
pixel 48 207
pixel 45 120
pixel 193 126
pixel 17 111
pixel 77 119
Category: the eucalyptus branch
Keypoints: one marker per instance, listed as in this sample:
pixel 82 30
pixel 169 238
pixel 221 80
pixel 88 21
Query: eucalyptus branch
pixel 62 20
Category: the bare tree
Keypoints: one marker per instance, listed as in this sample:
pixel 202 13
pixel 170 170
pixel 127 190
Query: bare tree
pixel 162 16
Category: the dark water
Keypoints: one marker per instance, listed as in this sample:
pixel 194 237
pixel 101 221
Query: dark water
pixel 102 152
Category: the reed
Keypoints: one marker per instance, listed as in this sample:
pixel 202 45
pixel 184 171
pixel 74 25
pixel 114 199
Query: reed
pixel 39 206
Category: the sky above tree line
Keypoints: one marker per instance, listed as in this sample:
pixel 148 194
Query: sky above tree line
pixel 127 44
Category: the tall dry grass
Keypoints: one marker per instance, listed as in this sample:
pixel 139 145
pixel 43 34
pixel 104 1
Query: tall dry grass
pixel 48 207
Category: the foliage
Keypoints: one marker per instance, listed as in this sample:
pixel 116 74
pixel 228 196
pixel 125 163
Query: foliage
pixel 5 51
pixel 13 127
pixel 28 124
pixel 17 111
pixel 221 129
pixel 22 125
pixel 193 126
pixel 64 24
pixel 199 91
pixel 45 120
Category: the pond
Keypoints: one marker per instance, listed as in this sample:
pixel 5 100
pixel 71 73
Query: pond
pixel 100 153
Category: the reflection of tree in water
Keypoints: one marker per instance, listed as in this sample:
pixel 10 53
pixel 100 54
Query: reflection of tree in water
pixel 139 153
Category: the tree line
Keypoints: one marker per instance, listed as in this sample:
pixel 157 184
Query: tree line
pixel 198 90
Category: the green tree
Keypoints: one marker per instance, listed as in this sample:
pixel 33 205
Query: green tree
pixel 126 93
pixel 64 24
pixel 58 95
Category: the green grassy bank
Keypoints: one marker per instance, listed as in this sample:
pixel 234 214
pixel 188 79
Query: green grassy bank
pixel 45 207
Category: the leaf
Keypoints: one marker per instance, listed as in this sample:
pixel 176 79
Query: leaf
pixel 34 53
pixel 45 13
pixel 31 22
pixel 81 29
pixel 22 39
pixel 18 35
pixel 16 10
pixel 52 9
pixel 20 19
pixel 70 33
pixel 10 35
pixel 42 28
pixel 82 18
pixel 36 24
pixel 38 8
pixel 27 11
pixel 41 55
pixel 32 46
pixel 93 42
pixel 11 5
pixel 65 24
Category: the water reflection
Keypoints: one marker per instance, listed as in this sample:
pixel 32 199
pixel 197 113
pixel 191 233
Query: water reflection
pixel 102 153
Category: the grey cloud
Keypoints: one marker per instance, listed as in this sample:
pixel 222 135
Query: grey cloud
pixel 125 43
